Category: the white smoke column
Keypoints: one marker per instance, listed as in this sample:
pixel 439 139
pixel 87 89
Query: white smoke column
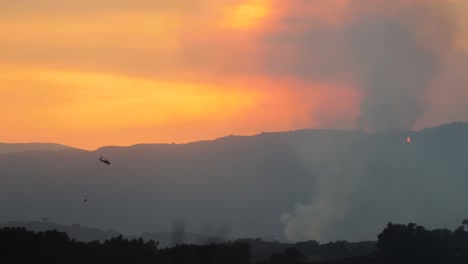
pixel 335 186
pixel 311 221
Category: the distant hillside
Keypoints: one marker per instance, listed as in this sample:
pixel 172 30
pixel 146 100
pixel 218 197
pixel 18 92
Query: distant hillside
pixel 312 251
pixel 310 184
pixel 24 147
pixel 86 234
pixel 170 239
pixel 75 231
pixel 261 250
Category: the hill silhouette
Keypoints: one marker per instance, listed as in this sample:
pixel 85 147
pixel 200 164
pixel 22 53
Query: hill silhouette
pixel 310 184
pixel 26 147
pixel 75 231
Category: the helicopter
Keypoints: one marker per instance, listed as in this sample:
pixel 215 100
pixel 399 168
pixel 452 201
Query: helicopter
pixel 104 160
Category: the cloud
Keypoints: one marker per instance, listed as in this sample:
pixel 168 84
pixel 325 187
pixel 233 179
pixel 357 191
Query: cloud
pixel 393 51
pixel 322 53
pixel 397 57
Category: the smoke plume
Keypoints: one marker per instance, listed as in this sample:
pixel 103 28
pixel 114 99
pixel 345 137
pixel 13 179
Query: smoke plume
pixel 398 49
pixel 397 56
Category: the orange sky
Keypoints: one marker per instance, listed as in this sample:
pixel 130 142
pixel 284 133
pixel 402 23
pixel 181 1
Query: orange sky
pixel 94 73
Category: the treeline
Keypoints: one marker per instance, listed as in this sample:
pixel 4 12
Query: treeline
pixel 18 245
pixel 396 244
pixel 413 243
pixel 309 250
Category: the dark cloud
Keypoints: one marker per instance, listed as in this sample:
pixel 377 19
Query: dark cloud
pixel 317 54
pixel 394 71
pixel 397 57
pixel 395 50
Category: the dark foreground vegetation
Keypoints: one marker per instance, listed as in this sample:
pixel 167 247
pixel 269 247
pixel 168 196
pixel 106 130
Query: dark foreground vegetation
pixel 18 245
pixel 396 244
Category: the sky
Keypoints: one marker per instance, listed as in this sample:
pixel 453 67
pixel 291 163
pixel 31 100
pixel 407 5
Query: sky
pixel 92 73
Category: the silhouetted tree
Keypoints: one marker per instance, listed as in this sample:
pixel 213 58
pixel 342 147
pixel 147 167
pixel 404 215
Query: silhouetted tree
pixel 465 224
pixel 402 242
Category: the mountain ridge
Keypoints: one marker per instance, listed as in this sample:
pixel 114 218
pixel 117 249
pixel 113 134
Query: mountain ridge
pixel 46 146
pixel 305 184
pixel 34 146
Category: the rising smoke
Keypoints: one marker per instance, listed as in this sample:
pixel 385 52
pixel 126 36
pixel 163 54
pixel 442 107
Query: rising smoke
pixel 397 55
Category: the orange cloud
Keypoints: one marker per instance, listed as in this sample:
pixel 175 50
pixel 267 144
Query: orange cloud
pixel 88 101
pixel 246 14
pixel 89 110
pixel 90 73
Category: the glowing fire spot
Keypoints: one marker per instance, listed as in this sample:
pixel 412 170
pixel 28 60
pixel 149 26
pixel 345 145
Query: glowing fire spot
pixel 408 140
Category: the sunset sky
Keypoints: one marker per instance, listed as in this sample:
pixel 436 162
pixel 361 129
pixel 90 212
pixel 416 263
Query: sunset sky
pixel 91 73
